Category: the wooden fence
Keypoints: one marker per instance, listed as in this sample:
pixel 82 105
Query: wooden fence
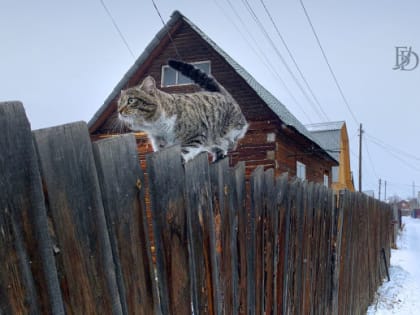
pixel 74 233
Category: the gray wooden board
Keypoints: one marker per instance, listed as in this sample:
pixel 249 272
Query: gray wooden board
pixel 270 240
pixel 241 236
pixel 85 262
pixel 307 249
pixel 338 231
pixel 222 194
pixel 165 172
pixel 25 247
pixel 281 206
pixel 123 187
pixel 297 294
pixel 255 256
pixel 291 226
pixel 200 232
pixel 233 239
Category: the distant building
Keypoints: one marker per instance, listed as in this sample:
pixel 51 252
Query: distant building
pixel 404 206
pixel 333 138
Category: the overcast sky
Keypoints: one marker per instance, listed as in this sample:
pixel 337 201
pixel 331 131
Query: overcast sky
pixel 63 58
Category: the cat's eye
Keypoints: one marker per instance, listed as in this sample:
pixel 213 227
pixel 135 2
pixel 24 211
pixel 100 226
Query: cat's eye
pixel 131 100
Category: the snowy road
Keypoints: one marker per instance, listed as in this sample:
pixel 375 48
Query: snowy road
pixel 402 294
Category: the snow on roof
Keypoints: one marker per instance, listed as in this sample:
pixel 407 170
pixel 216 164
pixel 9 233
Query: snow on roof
pixel 325 126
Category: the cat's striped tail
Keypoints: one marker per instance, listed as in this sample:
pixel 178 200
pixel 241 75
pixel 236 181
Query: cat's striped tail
pixel 202 79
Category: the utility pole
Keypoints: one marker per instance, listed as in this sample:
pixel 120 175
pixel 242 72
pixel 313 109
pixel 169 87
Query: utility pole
pixel 360 157
pixel 385 192
pixel 379 189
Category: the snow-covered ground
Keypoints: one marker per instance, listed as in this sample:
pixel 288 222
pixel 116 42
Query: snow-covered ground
pixel 401 295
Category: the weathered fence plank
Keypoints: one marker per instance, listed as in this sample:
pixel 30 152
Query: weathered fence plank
pixel 298 243
pixel 328 261
pixel 223 194
pixel 271 245
pixel 338 232
pixel 316 251
pixel 256 263
pixel 122 183
pixel 201 235
pixel 167 190
pixel 281 206
pixel 289 255
pixel 235 207
pixel 83 251
pixel 242 240
pixel 25 247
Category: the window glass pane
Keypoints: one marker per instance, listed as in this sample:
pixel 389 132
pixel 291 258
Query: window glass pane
pixel 203 66
pixel 183 79
pixel 300 170
pixel 169 76
pixel 326 180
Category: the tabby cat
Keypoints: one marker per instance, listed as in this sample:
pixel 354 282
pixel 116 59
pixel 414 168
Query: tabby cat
pixel 209 120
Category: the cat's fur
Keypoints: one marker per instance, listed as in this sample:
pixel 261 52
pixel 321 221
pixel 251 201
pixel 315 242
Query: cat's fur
pixel 208 120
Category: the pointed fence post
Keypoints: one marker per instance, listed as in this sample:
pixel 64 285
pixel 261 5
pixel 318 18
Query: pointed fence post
pixel 26 251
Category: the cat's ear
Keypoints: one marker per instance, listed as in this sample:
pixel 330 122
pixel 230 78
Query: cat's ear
pixel 148 85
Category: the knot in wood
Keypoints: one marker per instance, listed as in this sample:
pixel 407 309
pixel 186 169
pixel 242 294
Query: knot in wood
pixel 138 184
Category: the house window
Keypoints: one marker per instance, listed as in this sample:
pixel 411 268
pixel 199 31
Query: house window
pixel 300 170
pixel 334 171
pixel 326 180
pixel 271 137
pixel 172 77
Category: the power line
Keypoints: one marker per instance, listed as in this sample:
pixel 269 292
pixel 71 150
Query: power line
pixel 117 28
pixel 167 31
pixel 371 161
pixel 259 52
pixel 395 149
pixel 328 63
pixel 400 184
pixel 267 36
pixel 394 155
pixel 294 60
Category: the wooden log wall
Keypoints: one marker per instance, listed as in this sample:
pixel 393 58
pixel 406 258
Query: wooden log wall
pixel 74 240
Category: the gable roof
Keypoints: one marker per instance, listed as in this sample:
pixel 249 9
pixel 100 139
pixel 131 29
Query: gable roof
pixel 328 135
pixel 273 103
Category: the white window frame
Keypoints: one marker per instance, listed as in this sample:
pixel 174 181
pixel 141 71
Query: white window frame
pixel 326 180
pixel 300 170
pixel 271 137
pixel 177 73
